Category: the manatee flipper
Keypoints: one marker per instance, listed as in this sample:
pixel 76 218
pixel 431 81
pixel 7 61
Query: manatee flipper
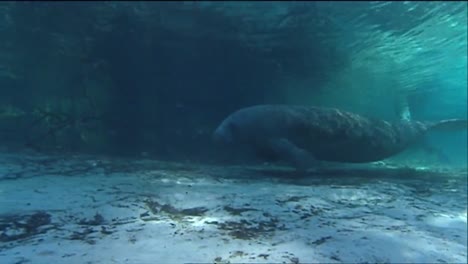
pixel 297 157
pixel 450 125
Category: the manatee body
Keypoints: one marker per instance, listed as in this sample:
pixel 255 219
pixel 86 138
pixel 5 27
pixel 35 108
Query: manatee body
pixel 301 135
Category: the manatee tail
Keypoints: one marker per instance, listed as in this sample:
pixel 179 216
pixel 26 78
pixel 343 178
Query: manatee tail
pixel 450 125
pixel 403 111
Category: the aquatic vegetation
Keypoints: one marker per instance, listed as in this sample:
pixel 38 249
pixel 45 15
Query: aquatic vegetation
pixel 9 111
pixel 68 124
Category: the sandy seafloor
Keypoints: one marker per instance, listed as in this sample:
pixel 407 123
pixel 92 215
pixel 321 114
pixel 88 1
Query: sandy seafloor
pixel 82 209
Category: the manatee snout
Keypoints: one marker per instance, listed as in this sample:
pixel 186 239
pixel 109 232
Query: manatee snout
pixel 222 136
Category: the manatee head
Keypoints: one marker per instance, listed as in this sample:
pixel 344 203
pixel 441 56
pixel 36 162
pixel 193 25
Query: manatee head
pixel 224 133
pixel 236 128
pixel 250 125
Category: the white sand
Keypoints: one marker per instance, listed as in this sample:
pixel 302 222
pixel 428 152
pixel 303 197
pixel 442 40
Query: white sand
pixel 324 217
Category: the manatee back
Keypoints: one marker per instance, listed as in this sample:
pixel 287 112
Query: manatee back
pixel 295 121
pixel 306 125
pixel 336 135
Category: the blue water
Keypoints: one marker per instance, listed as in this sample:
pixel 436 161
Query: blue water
pixel 157 78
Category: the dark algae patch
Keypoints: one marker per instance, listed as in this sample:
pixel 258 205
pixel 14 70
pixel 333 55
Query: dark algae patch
pixel 238 211
pixel 195 211
pixel 290 199
pixel 156 208
pixel 83 236
pixel 15 227
pixel 246 230
pixel 321 240
pixel 98 219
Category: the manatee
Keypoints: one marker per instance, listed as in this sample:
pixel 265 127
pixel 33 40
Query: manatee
pixel 302 135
